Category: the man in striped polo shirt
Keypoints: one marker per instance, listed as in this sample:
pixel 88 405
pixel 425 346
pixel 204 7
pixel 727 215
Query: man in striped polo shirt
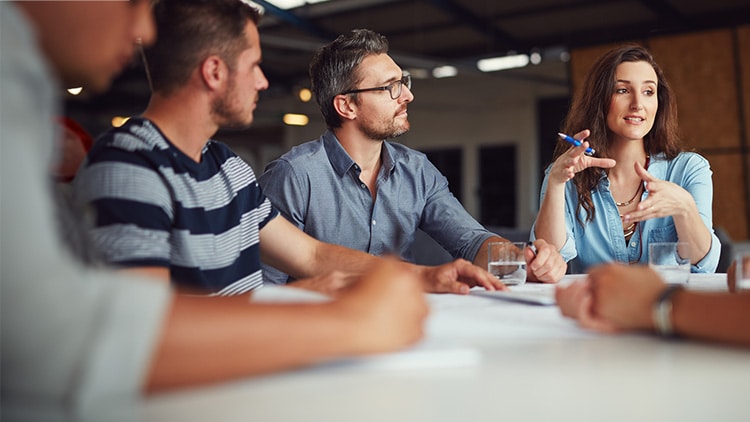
pixel 173 203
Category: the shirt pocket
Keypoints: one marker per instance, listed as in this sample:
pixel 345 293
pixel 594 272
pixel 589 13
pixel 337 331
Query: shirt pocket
pixel 666 233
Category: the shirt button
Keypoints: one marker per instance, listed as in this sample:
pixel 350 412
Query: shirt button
pixel 364 186
pixel 374 222
pixel 356 167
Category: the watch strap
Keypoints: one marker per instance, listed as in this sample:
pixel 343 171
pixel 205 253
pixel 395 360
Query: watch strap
pixel 662 311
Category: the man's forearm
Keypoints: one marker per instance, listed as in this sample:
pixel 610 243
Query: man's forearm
pixel 209 339
pixel 712 316
pixel 330 257
pixel 480 259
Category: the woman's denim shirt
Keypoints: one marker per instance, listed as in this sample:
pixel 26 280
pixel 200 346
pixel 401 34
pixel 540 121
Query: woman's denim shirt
pixel 602 240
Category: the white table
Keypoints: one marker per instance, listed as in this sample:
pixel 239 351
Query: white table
pixel 512 362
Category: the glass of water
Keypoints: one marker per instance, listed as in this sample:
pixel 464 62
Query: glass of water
pixel 667 259
pixel 506 261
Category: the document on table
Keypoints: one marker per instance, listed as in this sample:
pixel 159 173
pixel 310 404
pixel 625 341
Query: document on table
pixel 529 293
pixel 533 294
pixel 286 294
pixel 427 354
pixel 477 320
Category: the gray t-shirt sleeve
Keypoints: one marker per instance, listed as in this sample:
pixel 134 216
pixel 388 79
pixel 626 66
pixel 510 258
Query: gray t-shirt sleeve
pixel 70 336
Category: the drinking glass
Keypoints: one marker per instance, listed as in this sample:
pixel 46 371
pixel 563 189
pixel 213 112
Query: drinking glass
pixel 665 258
pixel 506 261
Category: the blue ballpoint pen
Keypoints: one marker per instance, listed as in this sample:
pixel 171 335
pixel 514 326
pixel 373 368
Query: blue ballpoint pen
pixel 576 142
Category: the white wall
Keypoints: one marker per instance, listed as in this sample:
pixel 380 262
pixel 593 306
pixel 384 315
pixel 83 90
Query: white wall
pixel 482 110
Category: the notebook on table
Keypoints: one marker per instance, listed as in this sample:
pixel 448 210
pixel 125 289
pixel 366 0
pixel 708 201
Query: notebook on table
pixel 534 294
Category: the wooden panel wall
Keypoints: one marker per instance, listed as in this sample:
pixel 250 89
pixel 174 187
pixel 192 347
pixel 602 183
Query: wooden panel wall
pixel 702 70
pixel 710 73
pixel 743 49
pixel 581 61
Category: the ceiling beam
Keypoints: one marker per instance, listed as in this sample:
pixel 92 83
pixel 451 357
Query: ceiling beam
pixel 538 10
pixel 640 32
pixel 331 9
pixel 295 20
pixel 663 9
pixel 481 25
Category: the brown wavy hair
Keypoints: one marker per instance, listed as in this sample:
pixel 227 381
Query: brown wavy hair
pixel 590 107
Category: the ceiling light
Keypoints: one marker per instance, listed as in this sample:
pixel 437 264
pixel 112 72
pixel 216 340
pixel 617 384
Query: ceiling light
pixel 118 121
pixel 304 95
pixel 502 63
pixel 535 58
pixel 417 73
pixel 75 91
pixel 293 119
pixel 444 71
pixel 291 4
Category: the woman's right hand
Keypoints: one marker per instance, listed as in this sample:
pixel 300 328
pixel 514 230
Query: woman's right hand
pixel 574 160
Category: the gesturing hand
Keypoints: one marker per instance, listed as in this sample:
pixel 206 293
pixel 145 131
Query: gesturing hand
pixel 574 160
pixel 664 198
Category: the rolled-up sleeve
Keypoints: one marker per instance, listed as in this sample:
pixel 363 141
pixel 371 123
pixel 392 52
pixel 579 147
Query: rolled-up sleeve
pixel 568 250
pixel 697 180
pixel 447 221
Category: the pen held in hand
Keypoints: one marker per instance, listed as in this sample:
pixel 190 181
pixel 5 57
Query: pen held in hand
pixel 532 247
pixel 576 142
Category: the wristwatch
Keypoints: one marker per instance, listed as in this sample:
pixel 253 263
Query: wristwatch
pixel 662 311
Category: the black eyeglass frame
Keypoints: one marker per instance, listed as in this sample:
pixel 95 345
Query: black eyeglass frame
pixel 391 87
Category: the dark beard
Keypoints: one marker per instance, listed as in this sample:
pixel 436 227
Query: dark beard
pixel 390 133
pixel 225 116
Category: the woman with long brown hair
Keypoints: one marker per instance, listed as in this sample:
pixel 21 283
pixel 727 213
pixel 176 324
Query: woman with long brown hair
pixel 642 188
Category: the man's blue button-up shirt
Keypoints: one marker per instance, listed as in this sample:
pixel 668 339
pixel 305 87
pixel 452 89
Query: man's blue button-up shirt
pixel 317 187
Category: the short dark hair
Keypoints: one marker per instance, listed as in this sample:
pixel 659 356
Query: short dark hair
pixel 333 69
pixel 590 107
pixel 188 31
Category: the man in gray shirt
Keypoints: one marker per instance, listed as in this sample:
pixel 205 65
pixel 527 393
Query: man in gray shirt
pixel 353 188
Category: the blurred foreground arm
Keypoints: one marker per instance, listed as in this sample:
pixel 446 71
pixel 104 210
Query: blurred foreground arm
pixel 617 297
pixel 209 339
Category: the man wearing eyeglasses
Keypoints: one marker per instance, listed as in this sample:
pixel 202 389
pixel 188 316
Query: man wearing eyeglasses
pixel 354 188
pixel 176 205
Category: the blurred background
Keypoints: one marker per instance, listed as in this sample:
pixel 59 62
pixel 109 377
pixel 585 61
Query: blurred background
pixel 492 82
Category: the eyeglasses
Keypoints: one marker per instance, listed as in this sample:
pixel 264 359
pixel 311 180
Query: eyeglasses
pixel 394 88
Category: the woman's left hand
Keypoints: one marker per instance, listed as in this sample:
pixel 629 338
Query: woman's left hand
pixel 664 198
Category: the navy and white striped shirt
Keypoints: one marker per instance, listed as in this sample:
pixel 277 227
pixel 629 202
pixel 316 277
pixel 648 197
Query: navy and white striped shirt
pixel 155 206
